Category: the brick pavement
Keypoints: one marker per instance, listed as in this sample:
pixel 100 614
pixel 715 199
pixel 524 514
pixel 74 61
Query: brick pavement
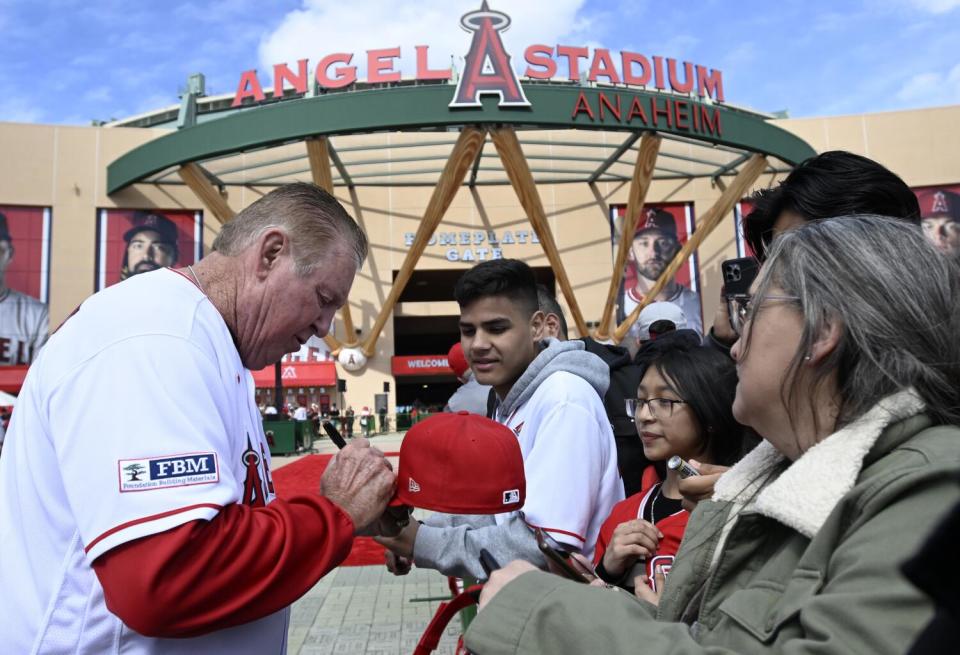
pixel 366 609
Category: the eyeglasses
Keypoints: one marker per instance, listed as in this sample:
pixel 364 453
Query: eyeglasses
pixel 742 308
pixel 659 407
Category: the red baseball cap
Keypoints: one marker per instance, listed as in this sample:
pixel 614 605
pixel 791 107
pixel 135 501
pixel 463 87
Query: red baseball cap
pixel 456 360
pixel 935 203
pixel 461 463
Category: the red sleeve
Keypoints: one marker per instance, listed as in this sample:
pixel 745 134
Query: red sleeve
pixel 243 565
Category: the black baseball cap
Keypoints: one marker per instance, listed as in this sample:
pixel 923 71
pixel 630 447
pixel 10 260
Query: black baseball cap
pixel 657 220
pixel 145 220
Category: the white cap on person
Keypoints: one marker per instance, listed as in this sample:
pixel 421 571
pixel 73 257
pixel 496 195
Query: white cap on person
pixel 659 311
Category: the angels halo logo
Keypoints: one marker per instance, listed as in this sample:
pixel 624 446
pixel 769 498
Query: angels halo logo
pixel 487 69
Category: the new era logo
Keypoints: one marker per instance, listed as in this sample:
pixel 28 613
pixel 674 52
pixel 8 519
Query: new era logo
pixel 512 496
pixel 412 486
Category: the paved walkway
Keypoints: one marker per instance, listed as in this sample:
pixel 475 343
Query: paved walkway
pixel 366 609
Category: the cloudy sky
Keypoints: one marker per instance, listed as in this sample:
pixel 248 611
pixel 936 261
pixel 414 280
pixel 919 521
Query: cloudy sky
pixel 71 62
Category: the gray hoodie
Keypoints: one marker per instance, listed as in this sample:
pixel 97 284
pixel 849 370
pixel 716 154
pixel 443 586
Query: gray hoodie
pixel 451 543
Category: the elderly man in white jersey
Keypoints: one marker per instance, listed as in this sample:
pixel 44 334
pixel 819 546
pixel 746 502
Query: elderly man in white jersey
pixel 156 530
pixel 550 395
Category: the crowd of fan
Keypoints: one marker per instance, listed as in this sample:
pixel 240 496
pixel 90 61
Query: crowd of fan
pixel 820 417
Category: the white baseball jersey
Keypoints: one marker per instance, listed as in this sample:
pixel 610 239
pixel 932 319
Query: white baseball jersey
pixel 137 417
pixel 24 327
pixel 569 460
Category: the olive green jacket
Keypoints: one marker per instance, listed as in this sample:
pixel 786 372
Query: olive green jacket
pixel 786 558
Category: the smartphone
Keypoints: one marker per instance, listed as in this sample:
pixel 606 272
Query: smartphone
pixel 683 469
pixel 738 275
pixel 555 553
pixel 334 435
pixel 488 562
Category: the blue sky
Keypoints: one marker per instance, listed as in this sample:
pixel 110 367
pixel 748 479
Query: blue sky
pixel 73 62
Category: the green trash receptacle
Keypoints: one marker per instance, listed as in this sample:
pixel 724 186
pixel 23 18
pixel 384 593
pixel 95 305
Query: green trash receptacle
pixel 282 436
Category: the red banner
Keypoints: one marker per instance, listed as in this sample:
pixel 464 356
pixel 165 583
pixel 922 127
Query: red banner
pixel 420 365
pixel 298 374
pixel 136 241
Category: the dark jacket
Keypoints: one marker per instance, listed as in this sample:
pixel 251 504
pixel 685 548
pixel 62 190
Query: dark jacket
pixel 624 380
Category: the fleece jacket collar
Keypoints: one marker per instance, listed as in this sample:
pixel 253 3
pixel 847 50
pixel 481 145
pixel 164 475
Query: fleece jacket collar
pixel 803 496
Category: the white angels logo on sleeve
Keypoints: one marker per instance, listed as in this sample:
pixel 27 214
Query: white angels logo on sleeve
pixel 167 471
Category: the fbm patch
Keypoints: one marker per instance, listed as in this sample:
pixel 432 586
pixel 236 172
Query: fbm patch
pixel 168 471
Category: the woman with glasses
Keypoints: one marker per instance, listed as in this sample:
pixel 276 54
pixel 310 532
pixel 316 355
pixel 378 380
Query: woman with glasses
pixel 849 368
pixel 683 408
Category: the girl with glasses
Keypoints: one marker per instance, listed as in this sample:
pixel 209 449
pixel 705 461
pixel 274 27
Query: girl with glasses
pixel 684 408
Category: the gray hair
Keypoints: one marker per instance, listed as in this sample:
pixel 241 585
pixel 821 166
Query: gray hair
pixel 896 301
pixel 311 217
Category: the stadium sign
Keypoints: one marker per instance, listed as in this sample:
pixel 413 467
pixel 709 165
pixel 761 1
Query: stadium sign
pixel 488 71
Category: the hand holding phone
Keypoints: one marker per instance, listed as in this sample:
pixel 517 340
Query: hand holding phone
pixel 738 274
pixel 561 560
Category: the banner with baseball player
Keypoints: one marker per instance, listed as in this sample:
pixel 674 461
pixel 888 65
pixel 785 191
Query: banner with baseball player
pixel 131 241
pixel 661 231
pixel 24 283
pixel 940 216
pixel 740 211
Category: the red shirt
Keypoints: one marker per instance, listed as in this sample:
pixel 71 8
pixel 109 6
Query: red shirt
pixel 632 508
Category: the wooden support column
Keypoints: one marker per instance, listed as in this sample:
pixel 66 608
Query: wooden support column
pixel 723 206
pixel 515 164
pixel 464 152
pixel 194 178
pixel 639 185
pixel 318 152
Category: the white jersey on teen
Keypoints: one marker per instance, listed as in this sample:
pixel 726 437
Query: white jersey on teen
pixel 569 453
pixel 137 417
pixel 569 460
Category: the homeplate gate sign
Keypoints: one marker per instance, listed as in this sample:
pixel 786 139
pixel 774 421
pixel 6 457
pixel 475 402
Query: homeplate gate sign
pixel 488 71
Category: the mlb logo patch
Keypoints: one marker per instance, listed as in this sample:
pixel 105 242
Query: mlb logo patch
pixel 512 496
pixel 168 471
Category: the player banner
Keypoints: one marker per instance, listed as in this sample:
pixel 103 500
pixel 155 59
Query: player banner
pixel 940 216
pixel 661 231
pixel 24 282
pixel 740 211
pixel 136 241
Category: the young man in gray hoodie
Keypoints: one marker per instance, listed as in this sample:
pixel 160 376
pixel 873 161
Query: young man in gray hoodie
pixel 550 395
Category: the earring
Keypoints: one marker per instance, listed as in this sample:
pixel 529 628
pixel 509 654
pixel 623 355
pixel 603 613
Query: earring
pixel 808 358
